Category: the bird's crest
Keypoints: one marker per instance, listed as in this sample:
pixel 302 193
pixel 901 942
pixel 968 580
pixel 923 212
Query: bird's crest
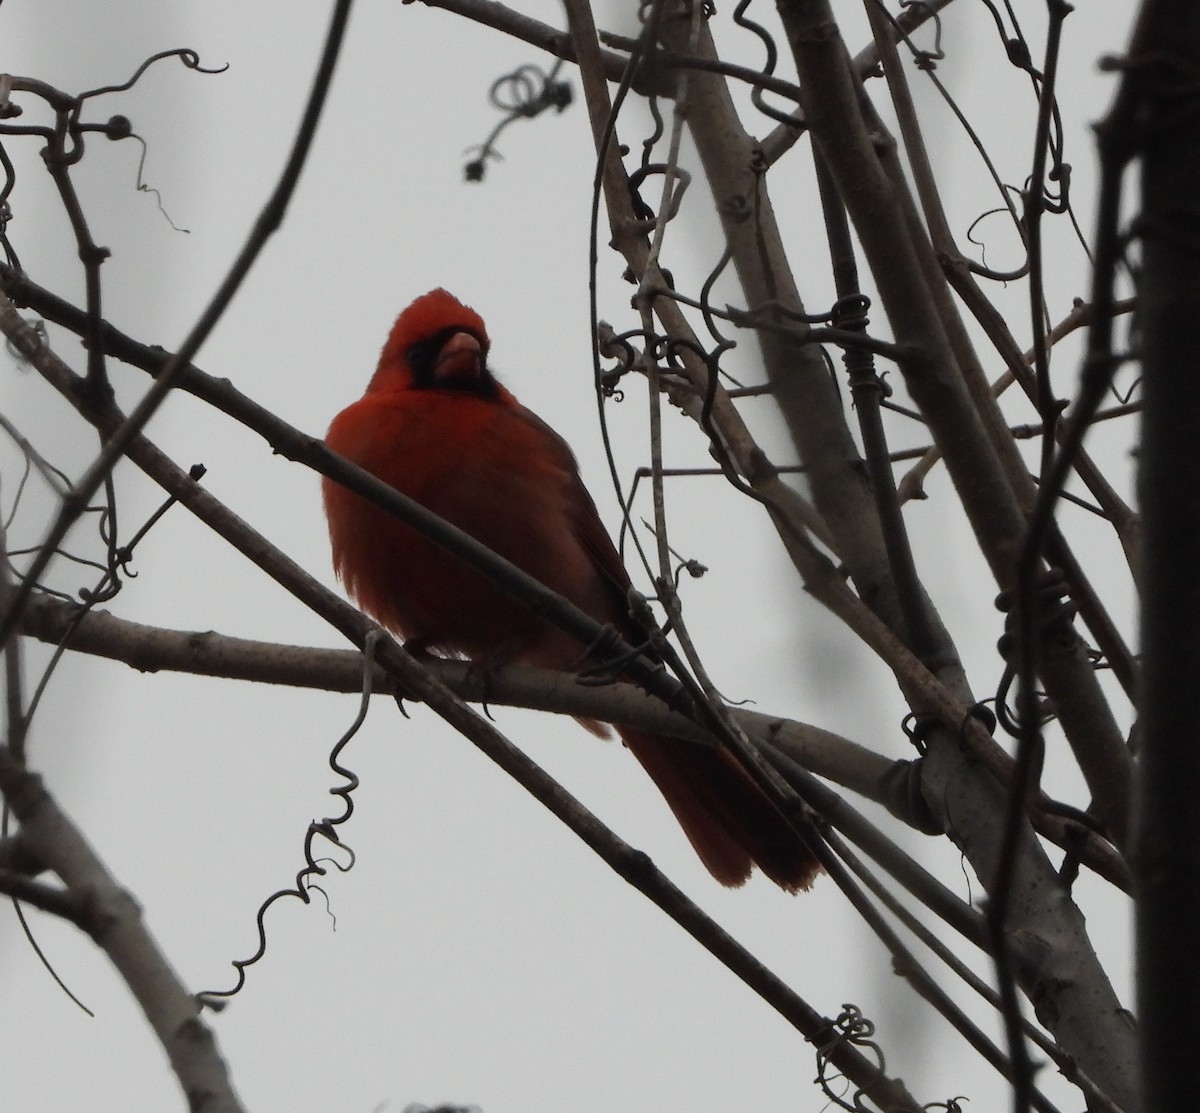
pixel 438 311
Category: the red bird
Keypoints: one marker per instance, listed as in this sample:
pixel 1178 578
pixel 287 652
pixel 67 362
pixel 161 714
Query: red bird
pixel 436 425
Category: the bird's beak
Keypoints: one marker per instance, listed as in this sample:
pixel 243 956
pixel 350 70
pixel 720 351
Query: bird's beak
pixel 460 359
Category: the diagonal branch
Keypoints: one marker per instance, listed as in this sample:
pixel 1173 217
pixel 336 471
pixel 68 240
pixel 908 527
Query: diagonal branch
pixel 112 917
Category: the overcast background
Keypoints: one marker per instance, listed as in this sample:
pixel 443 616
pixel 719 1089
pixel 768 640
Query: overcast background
pixel 480 954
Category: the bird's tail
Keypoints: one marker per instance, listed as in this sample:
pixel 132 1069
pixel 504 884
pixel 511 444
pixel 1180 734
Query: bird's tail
pixel 725 815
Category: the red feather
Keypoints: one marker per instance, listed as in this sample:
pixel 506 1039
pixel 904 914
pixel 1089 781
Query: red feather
pixel 436 425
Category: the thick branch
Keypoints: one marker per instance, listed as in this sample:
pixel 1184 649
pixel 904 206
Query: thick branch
pixel 112 917
pixel 150 649
pixel 1155 116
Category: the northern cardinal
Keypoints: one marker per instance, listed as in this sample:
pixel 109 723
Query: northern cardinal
pixel 437 426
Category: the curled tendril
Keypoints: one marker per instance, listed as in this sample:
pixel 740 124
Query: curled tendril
pixel 639 176
pixel 620 347
pixel 612 346
pixel 982 269
pixel 10 180
pixel 851 1027
pixel 188 57
pixel 314 867
pixel 925 60
pixel 657 132
pixel 706 290
pixel 524 93
pixel 768 68
pixel 142 186
pixel 1055 612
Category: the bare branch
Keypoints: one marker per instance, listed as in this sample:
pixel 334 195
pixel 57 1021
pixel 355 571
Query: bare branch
pixel 112 917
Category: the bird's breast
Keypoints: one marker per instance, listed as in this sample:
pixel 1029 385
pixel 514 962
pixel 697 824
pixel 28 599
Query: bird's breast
pixel 507 481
